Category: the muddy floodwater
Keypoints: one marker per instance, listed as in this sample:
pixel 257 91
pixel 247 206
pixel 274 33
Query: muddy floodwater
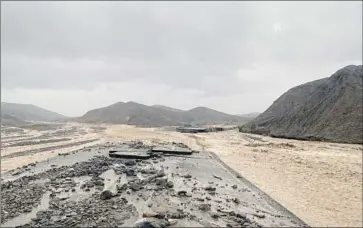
pixel 48 169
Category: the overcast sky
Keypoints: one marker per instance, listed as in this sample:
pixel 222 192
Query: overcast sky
pixel 236 57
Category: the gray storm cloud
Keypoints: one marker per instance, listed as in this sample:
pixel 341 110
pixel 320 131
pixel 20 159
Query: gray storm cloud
pixel 222 49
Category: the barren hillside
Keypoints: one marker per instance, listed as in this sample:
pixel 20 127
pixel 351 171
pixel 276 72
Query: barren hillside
pixel 327 109
pixel 142 115
pixel 29 112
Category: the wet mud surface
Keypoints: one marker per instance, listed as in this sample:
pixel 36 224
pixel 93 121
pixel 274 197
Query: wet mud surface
pixel 33 142
pixel 194 190
pixel 35 151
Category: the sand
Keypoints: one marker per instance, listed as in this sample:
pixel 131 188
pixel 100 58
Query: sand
pixel 319 182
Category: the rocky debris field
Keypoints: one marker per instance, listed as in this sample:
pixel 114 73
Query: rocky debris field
pixel 181 191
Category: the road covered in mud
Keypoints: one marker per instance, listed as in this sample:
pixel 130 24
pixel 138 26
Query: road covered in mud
pixel 158 190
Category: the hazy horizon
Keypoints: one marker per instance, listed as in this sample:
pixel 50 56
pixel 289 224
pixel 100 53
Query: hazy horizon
pixel 234 57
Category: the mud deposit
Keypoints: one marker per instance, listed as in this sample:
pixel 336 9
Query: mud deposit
pixel 166 190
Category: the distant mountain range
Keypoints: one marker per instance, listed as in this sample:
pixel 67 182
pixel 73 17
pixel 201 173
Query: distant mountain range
pixel 123 113
pixel 27 112
pixel 329 109
pixel 158 115
pixel 251 115
pixel 167 108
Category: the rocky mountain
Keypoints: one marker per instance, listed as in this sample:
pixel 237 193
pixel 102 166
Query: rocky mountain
pixel 130 113
pixel 10 120
pixel 29 112
pixel 251 115
pixel 328 109
pixel 167 108
pixel 203 115
pixel 142 115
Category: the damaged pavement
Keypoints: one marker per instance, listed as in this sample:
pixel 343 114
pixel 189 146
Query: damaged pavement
pixel 133 185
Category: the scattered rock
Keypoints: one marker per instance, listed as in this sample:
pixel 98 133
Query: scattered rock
pixel 182 193
pixel 160 174
pixel 217 177
pixel 236 200
pixel 170 184
pixel 188 176
pixel 122 187
pixel 172 222
pixel 135 186
pixel 259 215
pixel 210 188
pixel 241 215
pixel 149 214
pixel 130 172
pixel 161 181
pixel 214 215
pixel 130 162
pixel 204 207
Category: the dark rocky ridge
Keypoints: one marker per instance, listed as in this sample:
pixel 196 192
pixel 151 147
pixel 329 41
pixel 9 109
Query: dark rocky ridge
pixel 329 109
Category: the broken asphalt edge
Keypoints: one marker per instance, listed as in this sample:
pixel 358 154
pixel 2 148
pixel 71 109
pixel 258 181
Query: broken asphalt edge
pixel 268 198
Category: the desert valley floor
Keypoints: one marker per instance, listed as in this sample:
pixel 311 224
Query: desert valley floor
pixel 320 182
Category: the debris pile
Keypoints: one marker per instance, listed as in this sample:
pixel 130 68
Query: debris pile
pixel 159 191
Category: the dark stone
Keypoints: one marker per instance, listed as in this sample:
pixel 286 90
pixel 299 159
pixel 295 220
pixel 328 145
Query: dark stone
pixel 170 184
pixel 241 215
pixel 217 177
pixel 210 188
pixel 188 176
pixel 259 215
pixel 99 183
pixel 236 200
pixel 214 215
pixel 182 193
pixel 135 186
pixel 122 187
pixel 161 181
pixel 160 174
pixel 204 207
pixel 130 172
pixel 130 162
